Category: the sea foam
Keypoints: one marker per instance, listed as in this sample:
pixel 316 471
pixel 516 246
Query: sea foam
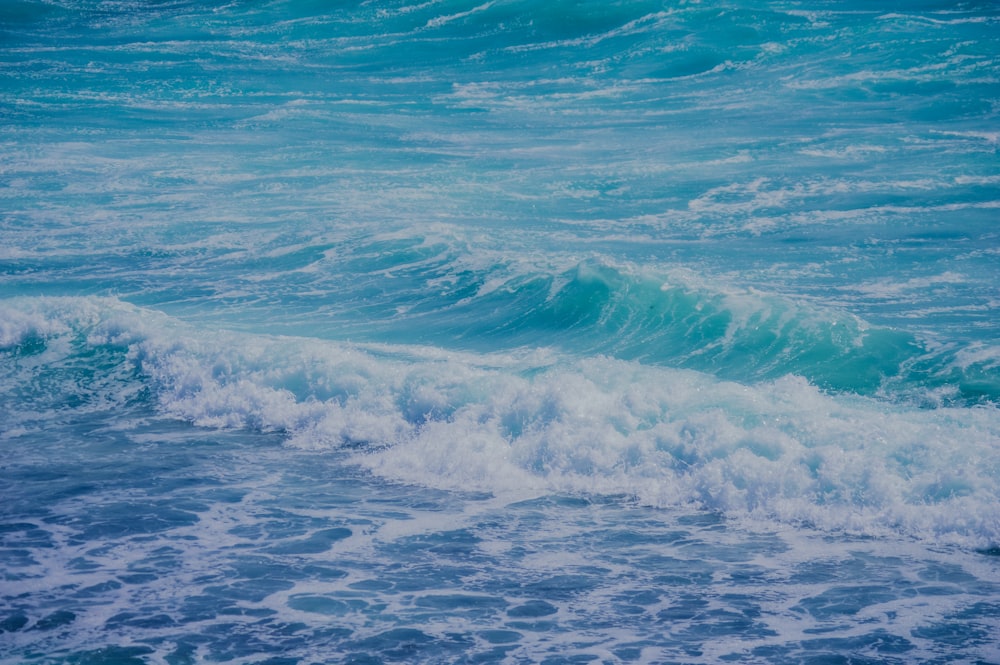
pixel 522 423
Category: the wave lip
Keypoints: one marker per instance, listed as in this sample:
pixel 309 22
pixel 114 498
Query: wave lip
pixel 535 422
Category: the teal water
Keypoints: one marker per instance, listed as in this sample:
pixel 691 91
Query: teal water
pixel 499 332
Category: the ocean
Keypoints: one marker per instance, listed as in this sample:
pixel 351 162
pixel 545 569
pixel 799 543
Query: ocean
pixel 503 331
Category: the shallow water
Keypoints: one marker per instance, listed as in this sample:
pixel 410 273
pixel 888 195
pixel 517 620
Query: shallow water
pixel 154 542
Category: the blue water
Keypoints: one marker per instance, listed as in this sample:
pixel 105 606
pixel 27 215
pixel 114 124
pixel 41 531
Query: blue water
pixel 499 331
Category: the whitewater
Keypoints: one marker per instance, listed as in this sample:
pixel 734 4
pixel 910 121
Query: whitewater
pixel 505 331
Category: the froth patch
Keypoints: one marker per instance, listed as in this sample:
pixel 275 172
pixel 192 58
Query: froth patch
pixel 777 450
pixel 538 423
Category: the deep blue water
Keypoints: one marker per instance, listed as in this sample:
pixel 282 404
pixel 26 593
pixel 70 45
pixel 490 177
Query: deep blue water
pixel 503 331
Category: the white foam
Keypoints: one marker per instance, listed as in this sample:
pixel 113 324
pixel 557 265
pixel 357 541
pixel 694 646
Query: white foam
pixel 524 424
pixel 438 21
pixel 888 288
pixel 985 355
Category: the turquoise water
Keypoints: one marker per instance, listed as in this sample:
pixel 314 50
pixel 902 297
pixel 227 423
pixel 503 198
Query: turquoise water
pixel 499 331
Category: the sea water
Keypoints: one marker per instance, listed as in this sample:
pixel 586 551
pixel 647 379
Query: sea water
pixel 499 331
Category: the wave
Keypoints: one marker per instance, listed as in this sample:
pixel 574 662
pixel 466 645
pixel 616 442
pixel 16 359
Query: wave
pixel 527 422
pixel 734 334
pixel 478 299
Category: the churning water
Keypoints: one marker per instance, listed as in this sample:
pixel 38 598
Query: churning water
pixel 504 331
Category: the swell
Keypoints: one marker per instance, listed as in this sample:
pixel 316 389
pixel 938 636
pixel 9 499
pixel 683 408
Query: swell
pixel 459 293
pixel 421 290
pixel 741 334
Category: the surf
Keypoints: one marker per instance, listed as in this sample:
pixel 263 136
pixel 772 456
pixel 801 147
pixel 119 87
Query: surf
pixel 540 420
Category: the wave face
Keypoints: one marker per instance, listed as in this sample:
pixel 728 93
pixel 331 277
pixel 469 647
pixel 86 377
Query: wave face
pixel 696 272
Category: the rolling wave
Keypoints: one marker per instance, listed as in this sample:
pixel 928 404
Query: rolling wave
pixel 526 422
pixel 439 291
